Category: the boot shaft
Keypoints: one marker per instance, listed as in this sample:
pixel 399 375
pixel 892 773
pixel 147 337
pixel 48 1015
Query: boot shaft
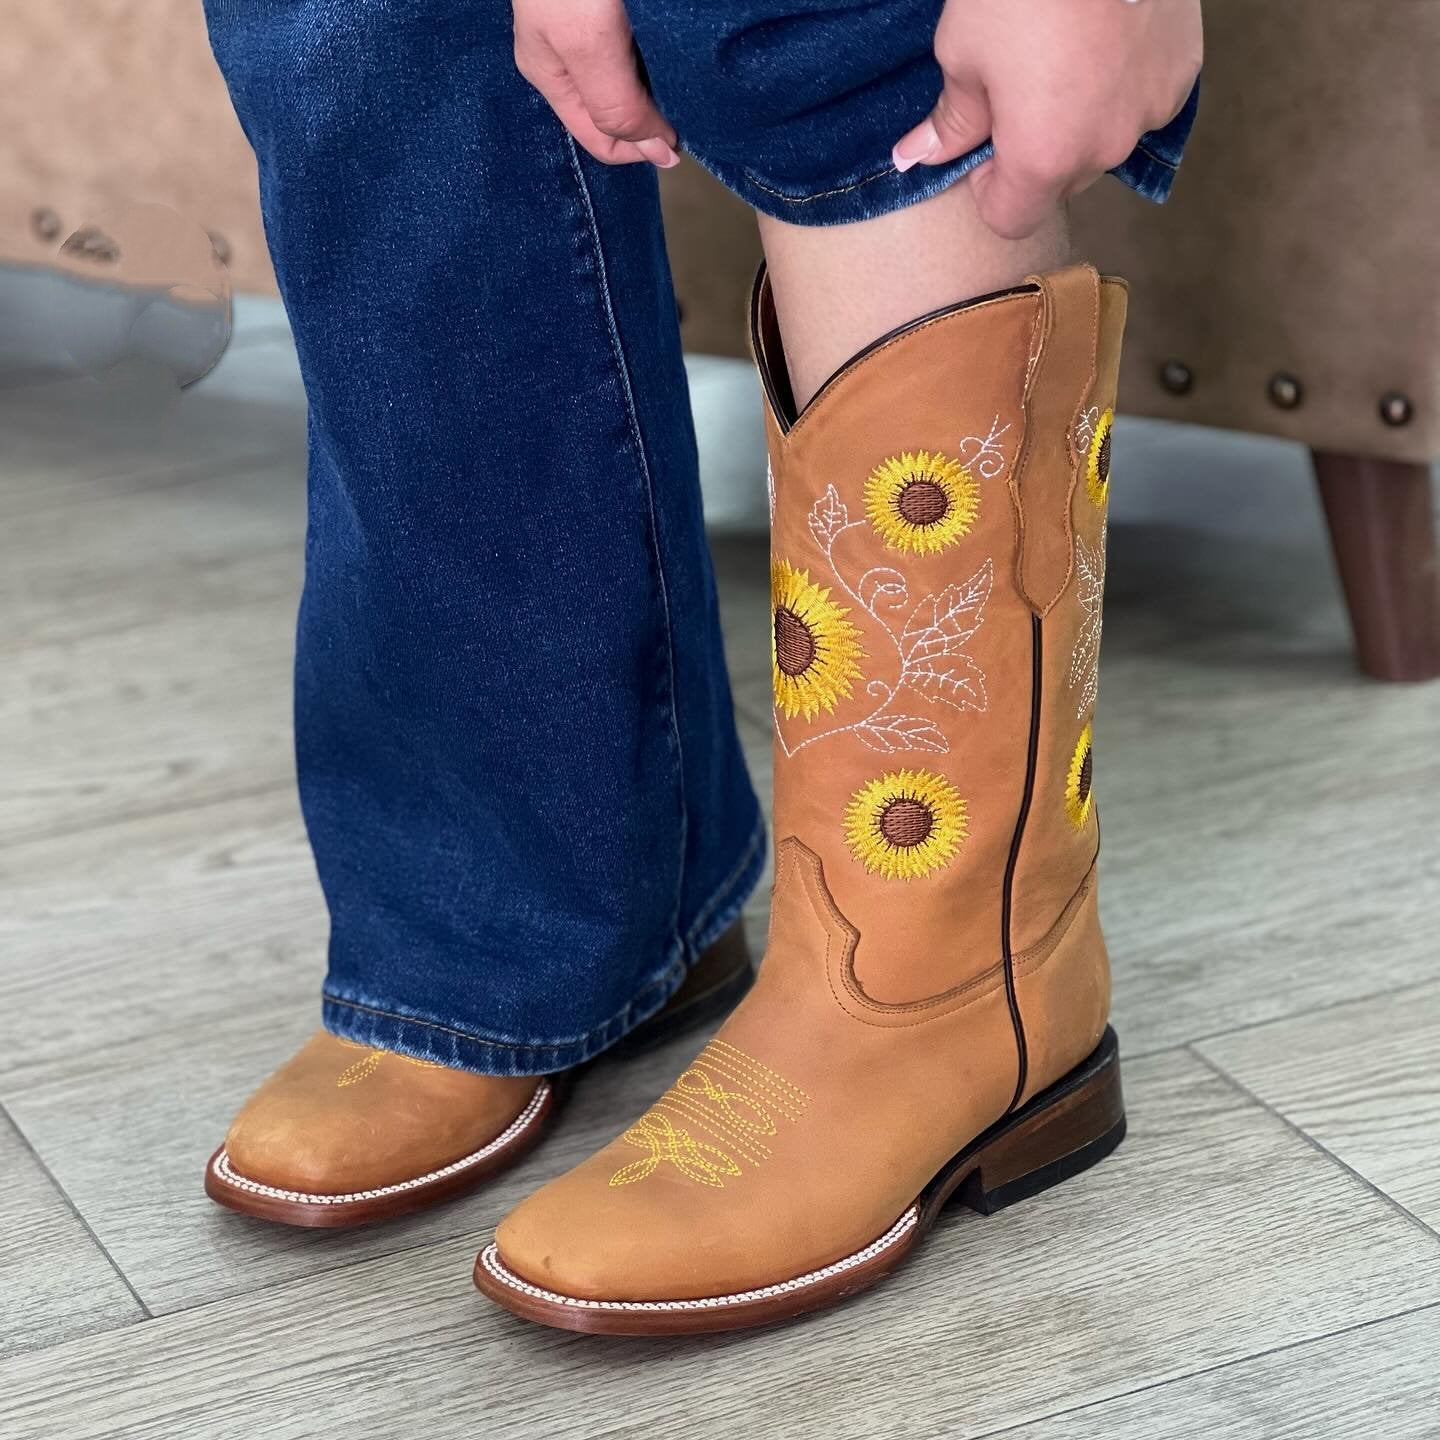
pixel 938 546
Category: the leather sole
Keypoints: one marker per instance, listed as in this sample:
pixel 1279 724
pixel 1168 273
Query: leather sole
pixel 1060 1133
pixel 725 974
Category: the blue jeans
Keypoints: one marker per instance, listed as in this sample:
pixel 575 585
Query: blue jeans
pixel 517 753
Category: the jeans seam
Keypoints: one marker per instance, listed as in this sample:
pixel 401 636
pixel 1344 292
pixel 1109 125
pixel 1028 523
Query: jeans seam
pixel 632 415
pixel 1149 154
pixel 811 198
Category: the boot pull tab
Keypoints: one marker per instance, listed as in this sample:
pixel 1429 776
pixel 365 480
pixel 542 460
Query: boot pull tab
pixel 1058 383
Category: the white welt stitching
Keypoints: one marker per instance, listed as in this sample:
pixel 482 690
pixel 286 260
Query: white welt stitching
pixel 518 1126
pixel 490 1258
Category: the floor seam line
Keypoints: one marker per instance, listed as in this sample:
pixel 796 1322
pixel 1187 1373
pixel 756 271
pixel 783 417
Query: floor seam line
pixel 1212 1369
pixel 145 1312
pixel 1323 1009
pixel 1236 1084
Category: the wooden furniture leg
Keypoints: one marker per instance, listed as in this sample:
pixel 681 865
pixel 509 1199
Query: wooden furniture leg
pixel 1382 526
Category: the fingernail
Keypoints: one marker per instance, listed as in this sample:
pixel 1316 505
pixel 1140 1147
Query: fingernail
pixel 658 153
pixel 918 145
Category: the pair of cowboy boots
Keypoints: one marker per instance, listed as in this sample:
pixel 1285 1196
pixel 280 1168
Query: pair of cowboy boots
pixel 930 1016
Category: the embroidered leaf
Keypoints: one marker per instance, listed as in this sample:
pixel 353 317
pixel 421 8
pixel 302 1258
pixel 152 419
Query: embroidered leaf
pixel 902 732
pixel 942 623
pixel 961 684
pixel 828 517
pixel 882 586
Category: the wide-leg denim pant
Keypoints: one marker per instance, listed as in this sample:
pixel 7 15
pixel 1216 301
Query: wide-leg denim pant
pixel 517 754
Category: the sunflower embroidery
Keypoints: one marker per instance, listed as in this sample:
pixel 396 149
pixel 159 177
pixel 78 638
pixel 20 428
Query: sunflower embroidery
pixel 921 502
pixel 1079 794
pixel 1097 461
pixel 905 824
pixel 815 651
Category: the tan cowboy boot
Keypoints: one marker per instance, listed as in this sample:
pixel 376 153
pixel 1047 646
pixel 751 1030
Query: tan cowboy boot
pixel 343 1134
pixel 931 1012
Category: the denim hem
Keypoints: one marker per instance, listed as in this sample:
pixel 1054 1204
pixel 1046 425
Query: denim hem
pixel 884 191
pixel 1149 170
pixel 860 197
pixel 460 1049
pixel 1147 175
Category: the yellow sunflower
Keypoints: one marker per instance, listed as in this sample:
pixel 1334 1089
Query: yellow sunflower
pixel 905 824
pixel 1097 463
pixel 1079 794
pixel 814 650
pixel 921 502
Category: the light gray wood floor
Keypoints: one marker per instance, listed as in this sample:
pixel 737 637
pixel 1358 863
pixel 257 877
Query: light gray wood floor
pixel 1260 1259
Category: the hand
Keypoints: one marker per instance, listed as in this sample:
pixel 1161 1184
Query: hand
pixel 1064 88
pixel 580 55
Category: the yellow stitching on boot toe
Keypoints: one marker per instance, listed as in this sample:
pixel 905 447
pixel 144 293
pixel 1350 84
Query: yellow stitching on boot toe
pixel 697 1113
pixel 721 1047
pixel 733 1103
pixel 668 1142
pixel 745 1149
pixel 361 1070
pixel 364 1068
pixel 734 1116
pixel 738 1076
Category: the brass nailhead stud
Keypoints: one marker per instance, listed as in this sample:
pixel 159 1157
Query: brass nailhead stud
pixel 1396 409
pixel 1286 391
pixel 1176 377
pixel 45 223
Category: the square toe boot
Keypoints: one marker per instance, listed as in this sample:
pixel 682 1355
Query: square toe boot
pixel 930 1018
pixel 346 1134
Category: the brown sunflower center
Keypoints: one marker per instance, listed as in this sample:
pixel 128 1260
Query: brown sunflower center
pixel 922 502
pixel 906 823
pixel 794 644
pixel 1102 460
pixel 1087 775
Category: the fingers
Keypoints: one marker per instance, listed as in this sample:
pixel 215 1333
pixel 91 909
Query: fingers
pixel 589 77
pixel 1036 167
pixel 608 83
pixel 959 123
pixel 1015 200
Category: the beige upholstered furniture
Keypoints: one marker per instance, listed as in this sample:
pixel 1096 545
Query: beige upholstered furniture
pixel 104 102
pixel 1290 287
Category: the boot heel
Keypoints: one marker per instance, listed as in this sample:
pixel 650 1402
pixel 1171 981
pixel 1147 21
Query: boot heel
pixel 1071 1126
